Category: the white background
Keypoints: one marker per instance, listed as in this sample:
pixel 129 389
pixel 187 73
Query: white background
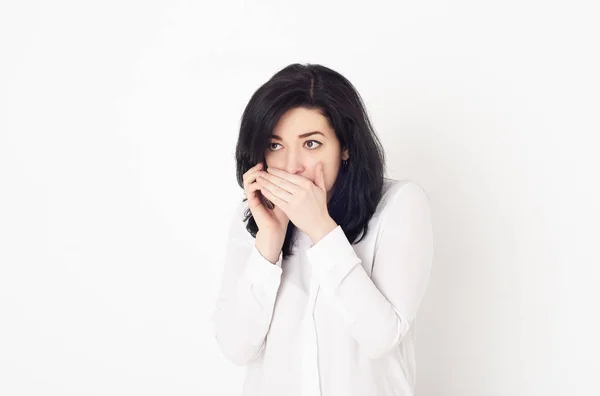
pixel 118 123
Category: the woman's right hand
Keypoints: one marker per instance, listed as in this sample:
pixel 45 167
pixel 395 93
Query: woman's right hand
pixel 268 220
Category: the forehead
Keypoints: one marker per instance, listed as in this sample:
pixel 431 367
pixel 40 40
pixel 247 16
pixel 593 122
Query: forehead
pixel 299 121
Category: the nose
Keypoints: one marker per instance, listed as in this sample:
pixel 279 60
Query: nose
pixel 293 164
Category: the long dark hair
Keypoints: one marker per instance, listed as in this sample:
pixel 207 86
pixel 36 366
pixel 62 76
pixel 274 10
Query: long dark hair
pixel 359 184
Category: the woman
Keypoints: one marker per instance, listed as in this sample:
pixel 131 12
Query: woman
pixel 326 267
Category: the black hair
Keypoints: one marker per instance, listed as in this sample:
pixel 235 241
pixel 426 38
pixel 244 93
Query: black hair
pixel 359 184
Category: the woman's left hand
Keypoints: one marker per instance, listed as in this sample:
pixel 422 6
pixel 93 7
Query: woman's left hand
pixel 304 202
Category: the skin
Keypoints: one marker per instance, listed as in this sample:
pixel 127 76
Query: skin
pixel 303 161
pixel 300 156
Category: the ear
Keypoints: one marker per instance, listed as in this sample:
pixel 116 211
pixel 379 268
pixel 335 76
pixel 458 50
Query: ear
pixel 345 154
pixel 320 177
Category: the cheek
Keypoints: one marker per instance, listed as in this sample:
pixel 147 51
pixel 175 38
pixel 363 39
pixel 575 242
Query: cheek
pixel 270 160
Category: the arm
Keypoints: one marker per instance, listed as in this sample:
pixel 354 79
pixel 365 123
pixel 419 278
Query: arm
pixel 246 299
pixel 378 310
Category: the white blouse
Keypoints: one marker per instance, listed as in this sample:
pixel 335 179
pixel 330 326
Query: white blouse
pixel 333 318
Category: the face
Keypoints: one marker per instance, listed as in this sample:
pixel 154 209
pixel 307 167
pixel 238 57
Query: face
pixel 301 139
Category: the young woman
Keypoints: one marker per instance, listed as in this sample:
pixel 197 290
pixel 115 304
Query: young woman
pixel 327 259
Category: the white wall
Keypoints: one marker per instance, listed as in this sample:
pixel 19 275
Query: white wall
pixel 118 123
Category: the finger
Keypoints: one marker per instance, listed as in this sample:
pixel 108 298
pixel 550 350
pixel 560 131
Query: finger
pixel 260 205
pixel 278 202
pixel 252 170
pixel 249 178
pixel 252 195
pixel 274 189
pixel 320 177
pixel 279 182
pixel 290 177
pixel 253 187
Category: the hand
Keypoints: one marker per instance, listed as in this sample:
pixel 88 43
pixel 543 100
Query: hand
pixel 268 220
pixel 304 202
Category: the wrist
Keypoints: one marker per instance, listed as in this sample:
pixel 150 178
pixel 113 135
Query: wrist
pixel 269 245
pixel 321 229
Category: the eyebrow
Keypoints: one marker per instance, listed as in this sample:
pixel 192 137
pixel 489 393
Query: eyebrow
pixel 276 137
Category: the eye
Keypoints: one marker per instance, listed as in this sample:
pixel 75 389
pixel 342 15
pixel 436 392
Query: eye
pixel 312 145
pixel 270 147
pixel 309 143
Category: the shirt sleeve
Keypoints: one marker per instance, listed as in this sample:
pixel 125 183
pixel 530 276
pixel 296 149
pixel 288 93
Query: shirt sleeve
pixel 246 298
pixel 379 309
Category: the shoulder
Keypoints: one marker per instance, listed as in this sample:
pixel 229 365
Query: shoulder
pixel 401 193
pixel 404 212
